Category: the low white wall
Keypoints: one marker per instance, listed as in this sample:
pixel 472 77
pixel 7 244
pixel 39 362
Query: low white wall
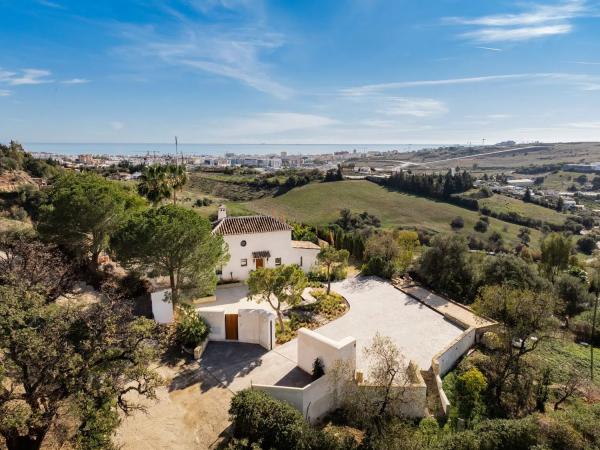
pixel 445 403
pixel 162 306
pixel 314 400
pixel 257 326
pixel 294 396
pixel 447 358
pixel 318 399
pixel 216 320
pixel 312 345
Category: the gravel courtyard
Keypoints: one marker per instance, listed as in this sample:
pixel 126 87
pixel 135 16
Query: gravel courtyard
pixel 376 306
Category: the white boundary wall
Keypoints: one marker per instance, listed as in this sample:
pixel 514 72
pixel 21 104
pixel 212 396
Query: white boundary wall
pixel 312 345
pixel 216 319
pixel 257 326
pixel 445 360
pixel 162 309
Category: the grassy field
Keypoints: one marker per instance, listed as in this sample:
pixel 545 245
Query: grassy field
pixel 502 203
pixel 566 356
pixel 561 180
pixel 320 203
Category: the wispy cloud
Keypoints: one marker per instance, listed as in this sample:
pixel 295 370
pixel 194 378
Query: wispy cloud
pixel 275 123
pixel 75 81
pixel 235 49
pixel 116 125
pixel 517 34
pixel 587 125
pixel 49 4
pixel 582 81
pixel 586 63
pixel 537 21
pixel 416 107
pixel 491 49
pixel 5 92
pixel 26 76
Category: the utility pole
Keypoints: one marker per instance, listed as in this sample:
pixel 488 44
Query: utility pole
pixel 176 144
pixel 592 337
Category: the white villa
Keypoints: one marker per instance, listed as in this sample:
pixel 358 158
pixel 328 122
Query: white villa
pixel 260 241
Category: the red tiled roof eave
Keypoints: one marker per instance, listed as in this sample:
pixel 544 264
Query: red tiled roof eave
pixel 250 225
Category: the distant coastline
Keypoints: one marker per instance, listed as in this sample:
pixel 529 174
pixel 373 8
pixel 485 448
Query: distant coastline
pixel 214 149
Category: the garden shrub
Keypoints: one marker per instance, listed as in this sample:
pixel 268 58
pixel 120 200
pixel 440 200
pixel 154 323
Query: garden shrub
pixel 318 369
pixel 191 329
pixel 274 424
pixel 481 226
pixel 457 223
pixel 586 244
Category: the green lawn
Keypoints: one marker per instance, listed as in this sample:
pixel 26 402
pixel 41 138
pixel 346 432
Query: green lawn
pixel 502 203
pixel 320 203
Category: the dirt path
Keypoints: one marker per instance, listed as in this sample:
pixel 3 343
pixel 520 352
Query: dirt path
pixel 189 413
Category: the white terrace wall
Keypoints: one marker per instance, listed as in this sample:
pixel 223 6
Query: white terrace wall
pixel 162 306
pixel 314 400
pixel 216 320
pixel 318 398
pixel 312 345
pixel 445 360
pixel 257 326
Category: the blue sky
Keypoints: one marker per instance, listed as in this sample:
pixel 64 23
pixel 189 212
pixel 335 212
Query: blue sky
pixel 310 71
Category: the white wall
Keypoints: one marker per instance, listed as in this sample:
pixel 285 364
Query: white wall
pixel 308 257
pixel 314 400
pixel 257 326
pixel 216 320
pixel 278 243
pixel 162 306
pixel 312 345
pixel 445 360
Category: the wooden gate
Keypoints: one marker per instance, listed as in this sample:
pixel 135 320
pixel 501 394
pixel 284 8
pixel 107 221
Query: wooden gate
pixel 231 327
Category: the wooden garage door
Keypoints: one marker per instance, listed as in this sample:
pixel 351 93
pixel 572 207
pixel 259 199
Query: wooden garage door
pixel 231 326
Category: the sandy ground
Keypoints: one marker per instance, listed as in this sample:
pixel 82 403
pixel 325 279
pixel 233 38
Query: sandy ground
pixel 189 413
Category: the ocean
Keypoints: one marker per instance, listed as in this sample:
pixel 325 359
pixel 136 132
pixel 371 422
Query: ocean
pixel 214 149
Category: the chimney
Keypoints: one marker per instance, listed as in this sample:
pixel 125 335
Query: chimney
pixel 222 212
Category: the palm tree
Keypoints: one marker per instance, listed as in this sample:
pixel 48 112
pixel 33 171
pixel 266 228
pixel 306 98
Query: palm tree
pixel 154 184
pixel 177 178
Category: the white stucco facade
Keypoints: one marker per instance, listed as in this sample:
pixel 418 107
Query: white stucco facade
pixel 260 247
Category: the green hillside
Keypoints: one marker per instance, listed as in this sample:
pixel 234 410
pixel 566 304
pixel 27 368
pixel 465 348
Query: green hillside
pixel 320 203
pixel 503 203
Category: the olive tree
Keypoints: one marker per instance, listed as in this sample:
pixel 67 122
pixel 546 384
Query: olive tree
pixel 331 258
pixel 526 318
pixel 556 251
pixel 70 363
pixel 277 286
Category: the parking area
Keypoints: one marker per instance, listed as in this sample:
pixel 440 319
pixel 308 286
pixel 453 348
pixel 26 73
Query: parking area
pixel 377 307
pixel 238 365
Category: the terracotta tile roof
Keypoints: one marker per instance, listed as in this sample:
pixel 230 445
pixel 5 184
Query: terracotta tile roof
pixel 249 225
pixel 305 244
pixel 261 254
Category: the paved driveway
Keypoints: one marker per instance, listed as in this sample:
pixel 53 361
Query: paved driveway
pixel 238 365
pixel 376 306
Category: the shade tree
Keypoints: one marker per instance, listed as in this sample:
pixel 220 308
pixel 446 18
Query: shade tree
pixel 173 241
pixel 84 210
